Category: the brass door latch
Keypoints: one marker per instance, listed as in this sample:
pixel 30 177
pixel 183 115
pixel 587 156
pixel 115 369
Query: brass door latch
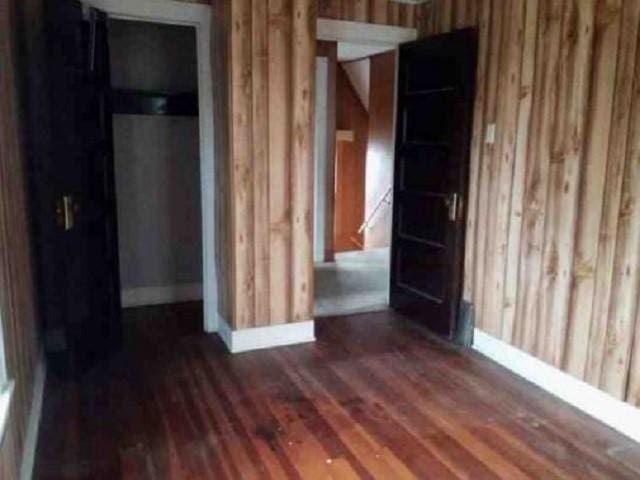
pixel 453 205
pixel 66 210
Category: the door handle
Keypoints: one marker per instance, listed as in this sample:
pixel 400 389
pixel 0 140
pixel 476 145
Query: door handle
pixel 452 203
pixel 65 213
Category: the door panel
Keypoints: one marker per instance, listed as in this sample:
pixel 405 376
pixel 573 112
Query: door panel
pixel 434 128
pixel 73 192
pixel 434 117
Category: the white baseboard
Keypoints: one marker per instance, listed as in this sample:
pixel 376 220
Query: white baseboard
pixel 619 415
pixel 139 297
pixel 31 439
pixel 265 337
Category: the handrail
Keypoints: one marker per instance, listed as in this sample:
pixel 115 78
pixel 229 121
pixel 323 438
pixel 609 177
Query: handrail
pixel 384 199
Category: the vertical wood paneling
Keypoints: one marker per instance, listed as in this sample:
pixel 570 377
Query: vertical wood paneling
pixel 553 234
pixel 260 85
pixel 622 90
pixel 532 268
pixel 360 10
pixel 303 57
pixel 241 58
pixel 379 11
pixel 607 34
pixel 477 142
pixel 488 171
pixel 17 296
pixel 503 161
pixel 626 267
pixel 271 60
pixel 568 140
pixel 517 192
pixel 393 13
pixel 279 158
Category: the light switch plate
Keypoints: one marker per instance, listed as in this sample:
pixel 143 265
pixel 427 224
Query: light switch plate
pixel 490 134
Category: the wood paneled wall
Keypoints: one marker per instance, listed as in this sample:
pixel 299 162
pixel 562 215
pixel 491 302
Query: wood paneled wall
pixel 553 233
pixel 17 305
pixel 271 55
pixel 384 12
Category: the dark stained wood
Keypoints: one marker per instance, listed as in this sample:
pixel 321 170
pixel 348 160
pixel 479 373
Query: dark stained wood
pixel 77 261
pixel 391 405
pixel 436 78
pixel 19 26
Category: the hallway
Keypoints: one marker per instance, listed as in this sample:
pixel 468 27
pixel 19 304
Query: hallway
pixel 356 282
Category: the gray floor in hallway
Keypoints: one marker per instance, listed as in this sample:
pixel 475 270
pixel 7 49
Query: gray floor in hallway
pixel 356 282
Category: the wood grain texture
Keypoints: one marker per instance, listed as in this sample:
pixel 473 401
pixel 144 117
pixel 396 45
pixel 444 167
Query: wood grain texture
pixel 599 119
pixel 350 169
pixel 280 46
pixel 380 149
pixel 302 148
pixel 20 24
pixel 265 185
pixel 271 59
pixel 260 124
pixel 553 231
pixel 382 12
pixel 395 405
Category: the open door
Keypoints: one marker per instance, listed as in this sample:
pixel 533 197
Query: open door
pixel 73 190
pixel 434 123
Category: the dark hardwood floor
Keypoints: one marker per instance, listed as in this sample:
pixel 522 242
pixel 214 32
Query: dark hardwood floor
pixel 373 398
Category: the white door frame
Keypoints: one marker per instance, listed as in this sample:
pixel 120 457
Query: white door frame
pixel 199 17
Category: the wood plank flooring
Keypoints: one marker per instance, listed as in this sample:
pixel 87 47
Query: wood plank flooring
pixel 375 397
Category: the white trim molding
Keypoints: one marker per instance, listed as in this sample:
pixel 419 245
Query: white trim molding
pixel 33 427
pixel 199 17
pixel 238 341
pixel 363 33
pixel 615 413
pixel 140 297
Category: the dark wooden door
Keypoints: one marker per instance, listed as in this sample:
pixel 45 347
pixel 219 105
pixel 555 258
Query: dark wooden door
pixel 74 191
pixel 434 120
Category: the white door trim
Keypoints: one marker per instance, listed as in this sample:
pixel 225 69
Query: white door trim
pixel 364 33
pixel 199 17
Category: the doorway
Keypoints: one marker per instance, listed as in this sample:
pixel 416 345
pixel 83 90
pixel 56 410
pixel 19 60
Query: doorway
pixel 355 88
pixel 196 18
pixel 399 171
pixel 156 141
pixel 73 185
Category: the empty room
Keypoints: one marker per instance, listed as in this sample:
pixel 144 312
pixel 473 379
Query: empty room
pixel 319 239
